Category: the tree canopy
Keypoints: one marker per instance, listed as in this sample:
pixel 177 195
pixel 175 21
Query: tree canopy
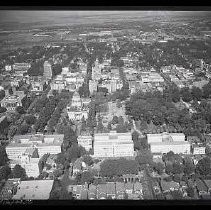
pixel 118 167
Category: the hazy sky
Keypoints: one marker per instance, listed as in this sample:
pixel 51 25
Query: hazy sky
pixel 35 16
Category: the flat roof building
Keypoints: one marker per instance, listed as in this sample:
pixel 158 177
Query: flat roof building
pixel 160 137
pixel 166 142
pixel 34 190
pixel 113 144
pixel 44 143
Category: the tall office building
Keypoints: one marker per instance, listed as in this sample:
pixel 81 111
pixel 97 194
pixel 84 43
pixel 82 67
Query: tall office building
pixel 96 71
pixel 47 70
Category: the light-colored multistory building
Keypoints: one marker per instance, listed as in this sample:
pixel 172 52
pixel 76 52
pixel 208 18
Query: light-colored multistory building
pixel 76 114
pixel 10 102
pixel 165 147
pixel 21 68
pixel 29 161
pixel 113 144
pixel 166 142
pixel 198 150
pixel 92 86
pixel 151 77
pixel 112 85
pixel 96 71
pixel 76 110
pixel 37 86
pixel 47 70
pixel 44 143
pixel 76 100
pixel 8 67
pixel 58 84
pixel 160 137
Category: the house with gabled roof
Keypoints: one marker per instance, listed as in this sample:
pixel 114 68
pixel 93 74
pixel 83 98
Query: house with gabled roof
pixel 169 186
pixel 110 190
pixel 92 193
pixel 120 190
pixel 129 188
pixel 208 184
pixel 102 191
pixel 201 187
pixel 138 188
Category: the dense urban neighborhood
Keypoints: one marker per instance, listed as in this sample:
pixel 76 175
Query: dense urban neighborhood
pixel 113 111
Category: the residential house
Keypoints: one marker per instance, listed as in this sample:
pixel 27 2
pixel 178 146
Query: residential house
pixel 168 196
pixel 110 190
pixel 77 167
pixel 169 186
pixel 208 184
pixel 193 139
pixel 120 190
pixel 129 188
pixel 84 194
pixel 138 188
pixel 201 187
pixel 9 188
pixel 92 193
pixel 134 196
pixel 190 183
pixel 80 192
pixel 85 141
pixel 37 85
pixel 50 165
pixel 102 191
pixel 183 185
pixel 205 197
pixel 156 187
pixel 196 159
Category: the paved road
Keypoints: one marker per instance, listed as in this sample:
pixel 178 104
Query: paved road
pixel 136 129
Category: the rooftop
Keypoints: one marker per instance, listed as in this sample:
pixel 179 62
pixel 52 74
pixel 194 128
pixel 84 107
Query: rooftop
pixel 171 143
pixel 40 140
pixel 208 183
pixel 200 185
pixel 34 190
pixel 168 185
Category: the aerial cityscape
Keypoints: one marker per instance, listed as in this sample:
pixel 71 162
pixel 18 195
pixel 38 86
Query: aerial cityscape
pixel 105 105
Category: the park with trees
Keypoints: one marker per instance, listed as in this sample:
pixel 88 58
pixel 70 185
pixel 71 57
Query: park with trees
pixel 161 110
